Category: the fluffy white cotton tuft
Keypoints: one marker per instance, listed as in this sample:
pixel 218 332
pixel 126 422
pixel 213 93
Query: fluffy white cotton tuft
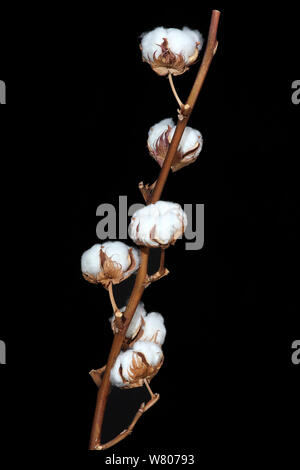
pixel 152 352
pixel 158 224
pixel 126 363
pixel 189 140
pixel 157 130
pixel 137 258
pixel 115 377
pixel 136 321
pixel 90 260
pixel 154 329
pixel 182 42
pixel 195 35
pixel 117 252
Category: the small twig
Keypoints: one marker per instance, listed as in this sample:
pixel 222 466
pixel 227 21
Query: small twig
pixel 184 108
pixel 148 387
pixel 112 298
pixel 161 272
pixel 146 190
pixel 117 312
pixel 96 375
pixel 162 261
pixel 144 407
pixel 170 77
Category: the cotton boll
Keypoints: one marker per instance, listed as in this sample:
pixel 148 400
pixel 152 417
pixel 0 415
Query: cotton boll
pixel 154 329
pixel 158 224
pixel 170 50
pixel 142 361
pixel 111 262
pixel 135 365
pixel 152 352
pixel 90 260
pixel 160 136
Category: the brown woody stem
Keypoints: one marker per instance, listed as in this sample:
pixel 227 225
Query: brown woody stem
pixel 139 286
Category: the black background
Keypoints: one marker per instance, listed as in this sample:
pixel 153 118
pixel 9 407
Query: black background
pixel 80 104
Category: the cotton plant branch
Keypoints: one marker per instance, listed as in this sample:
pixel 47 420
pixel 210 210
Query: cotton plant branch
pixel 161 272
pixel 96 376
pixel 142 409
pixel 152 197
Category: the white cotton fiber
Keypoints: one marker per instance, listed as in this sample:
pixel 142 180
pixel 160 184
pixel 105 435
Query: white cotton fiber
pixel 154 329
pixel 137 258
pixel 157 130
pixel 179 41
pixel 189 140
pixel 117 252
pixel 167 226
pixel 127 363
pixel 136 321
pixel 115 377
pixel 195 36
pixel 162 221
pixel 90 260
pixel 183 41
pixel 151 42
pixel 152 352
